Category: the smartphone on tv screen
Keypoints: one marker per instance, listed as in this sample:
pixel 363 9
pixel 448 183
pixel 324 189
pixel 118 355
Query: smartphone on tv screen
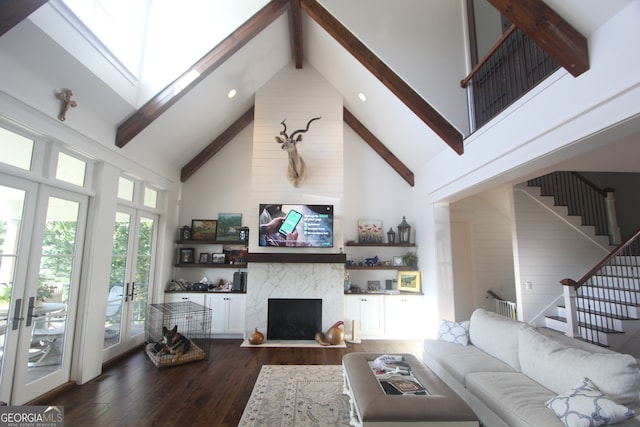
pixel 290 222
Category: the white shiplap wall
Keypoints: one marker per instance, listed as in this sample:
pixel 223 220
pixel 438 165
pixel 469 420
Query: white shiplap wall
pixel 548 250
pixel 298 95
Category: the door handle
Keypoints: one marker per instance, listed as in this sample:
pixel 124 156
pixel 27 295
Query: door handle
pixel 30 308
pixel 16 315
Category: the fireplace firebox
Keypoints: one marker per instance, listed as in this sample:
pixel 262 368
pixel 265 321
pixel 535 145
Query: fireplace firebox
pixel 293 319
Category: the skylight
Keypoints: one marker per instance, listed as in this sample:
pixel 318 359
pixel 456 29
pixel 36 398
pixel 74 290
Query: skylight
pixel 121 25
pixel 157 40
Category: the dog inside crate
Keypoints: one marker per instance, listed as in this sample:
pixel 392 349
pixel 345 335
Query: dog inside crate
pixel 177 333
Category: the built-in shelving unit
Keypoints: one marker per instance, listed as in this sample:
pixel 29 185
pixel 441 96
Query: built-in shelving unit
pixel 212 242
pixel 382 245
pixel 198 265
pixel 296 257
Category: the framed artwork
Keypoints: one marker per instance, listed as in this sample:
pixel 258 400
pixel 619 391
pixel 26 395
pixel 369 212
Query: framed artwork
pixel 187 256
pixel 373 285
pixel 370 231
pixel 229 226
pixel 409 281
pixel 397 261
pixel 218 258
pixel 204 229
pixel 204 258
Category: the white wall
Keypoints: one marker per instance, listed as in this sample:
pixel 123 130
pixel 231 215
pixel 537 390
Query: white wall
pixel 482 255
pixel 548 250
pixel 398 34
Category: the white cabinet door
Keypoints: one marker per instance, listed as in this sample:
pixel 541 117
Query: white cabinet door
pixel 404 316
pixel 236 306
pixel 368 312
pixel 227 313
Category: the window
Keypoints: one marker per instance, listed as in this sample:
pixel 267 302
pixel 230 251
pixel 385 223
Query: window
pixel 125 189
pixel 16 150
pixel 71 169
pixel 150 197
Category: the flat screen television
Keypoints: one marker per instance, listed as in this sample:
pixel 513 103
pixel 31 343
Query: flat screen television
pixel 296 226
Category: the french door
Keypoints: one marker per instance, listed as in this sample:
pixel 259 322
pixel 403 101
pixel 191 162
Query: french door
pixel 132 263
pixel 41 235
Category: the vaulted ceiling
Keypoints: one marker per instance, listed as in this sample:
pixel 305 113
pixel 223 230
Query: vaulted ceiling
pixel 186 129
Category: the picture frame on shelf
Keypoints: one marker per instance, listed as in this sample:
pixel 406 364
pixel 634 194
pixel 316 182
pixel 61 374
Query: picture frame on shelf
pixel 409 281
pixel 187 256
pixel 397 261
pixel 218 258
pixel 228 226
pixel 204 229
pixel 370 231
pixel 373 285
pixel 204 258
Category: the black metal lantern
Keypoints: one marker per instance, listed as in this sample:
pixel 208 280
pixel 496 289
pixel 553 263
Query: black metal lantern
pixel 391 236
pixel 185 233
pixel 404 231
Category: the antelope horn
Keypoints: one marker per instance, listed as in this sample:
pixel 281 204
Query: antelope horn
pixel 307 128
pixel 284 131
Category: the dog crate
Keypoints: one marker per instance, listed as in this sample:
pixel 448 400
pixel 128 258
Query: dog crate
pixel 193 322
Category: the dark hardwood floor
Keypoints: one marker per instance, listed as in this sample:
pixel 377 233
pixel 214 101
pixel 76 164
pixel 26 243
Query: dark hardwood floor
pixel 133 392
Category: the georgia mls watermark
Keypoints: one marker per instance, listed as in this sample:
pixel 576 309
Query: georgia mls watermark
pixel 31 416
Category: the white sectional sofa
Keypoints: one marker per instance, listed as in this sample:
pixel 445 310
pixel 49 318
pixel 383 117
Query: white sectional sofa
pixel 508 371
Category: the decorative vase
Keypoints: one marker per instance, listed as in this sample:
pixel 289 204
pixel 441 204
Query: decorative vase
pixel 256 337
pixel 335 334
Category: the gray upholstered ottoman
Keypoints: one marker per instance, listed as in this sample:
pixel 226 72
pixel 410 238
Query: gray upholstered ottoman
pixel 371 406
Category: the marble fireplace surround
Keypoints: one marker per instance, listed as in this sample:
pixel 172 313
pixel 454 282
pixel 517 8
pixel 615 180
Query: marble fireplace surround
pixel 267 278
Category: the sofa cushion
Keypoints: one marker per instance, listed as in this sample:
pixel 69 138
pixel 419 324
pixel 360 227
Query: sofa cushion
pixel 586 405
pixel 559 368
pixel 460 360
pixel 455 332
pixel 496 335
pixel 515 398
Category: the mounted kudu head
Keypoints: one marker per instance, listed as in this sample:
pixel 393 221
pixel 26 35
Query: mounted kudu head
pixel 297 170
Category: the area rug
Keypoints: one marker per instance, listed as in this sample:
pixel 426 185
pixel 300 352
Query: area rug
pixel 297 395
pixel 291 343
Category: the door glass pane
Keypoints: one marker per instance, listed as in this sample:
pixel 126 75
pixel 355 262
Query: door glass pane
pixel 143 272
pixel 11 206
pixel 113 329
pixel 54 281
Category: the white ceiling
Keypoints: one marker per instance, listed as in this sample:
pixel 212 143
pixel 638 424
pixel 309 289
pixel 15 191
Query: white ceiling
pixel 200 116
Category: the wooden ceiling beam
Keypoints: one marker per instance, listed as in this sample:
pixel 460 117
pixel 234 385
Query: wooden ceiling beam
pixel 549 30
pixel 378 147
pixel 216 145
pixel 296 25
pixel 161 102
pixel 12 12
pixel 382 72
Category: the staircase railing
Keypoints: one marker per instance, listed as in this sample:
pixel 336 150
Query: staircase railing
pixel 608 289
pixel 503 307
pixel 582 198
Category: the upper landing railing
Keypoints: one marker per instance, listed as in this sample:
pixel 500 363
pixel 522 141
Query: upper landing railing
pixel 513 66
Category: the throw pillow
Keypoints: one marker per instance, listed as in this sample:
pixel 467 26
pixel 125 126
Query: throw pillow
pixel 457 333
pixel 585 405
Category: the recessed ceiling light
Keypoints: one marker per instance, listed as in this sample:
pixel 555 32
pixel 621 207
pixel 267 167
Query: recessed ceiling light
pixel 232 93
pixel 362 97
